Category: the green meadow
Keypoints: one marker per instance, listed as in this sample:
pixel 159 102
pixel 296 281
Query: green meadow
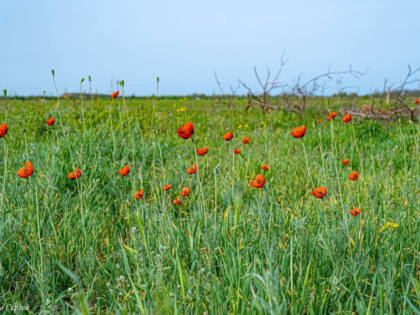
pixel 88 246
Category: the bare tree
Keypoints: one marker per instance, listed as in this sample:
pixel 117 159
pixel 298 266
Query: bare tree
pixel 400 109
pixel 295 96
pixel 313 86
pixel 409 79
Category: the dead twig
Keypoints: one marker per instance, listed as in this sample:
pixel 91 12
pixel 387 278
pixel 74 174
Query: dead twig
pixel 267 85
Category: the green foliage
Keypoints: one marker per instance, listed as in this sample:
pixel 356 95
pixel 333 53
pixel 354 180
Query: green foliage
pixel 88 246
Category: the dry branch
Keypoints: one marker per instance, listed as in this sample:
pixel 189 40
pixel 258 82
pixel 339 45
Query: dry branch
pixel 373 112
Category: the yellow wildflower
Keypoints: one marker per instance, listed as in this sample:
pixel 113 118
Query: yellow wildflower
pixel 389 225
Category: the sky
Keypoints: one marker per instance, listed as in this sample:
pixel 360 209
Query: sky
pixel 184 42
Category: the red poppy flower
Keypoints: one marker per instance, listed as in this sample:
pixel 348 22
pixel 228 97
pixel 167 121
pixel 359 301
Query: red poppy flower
pixel 264 167
pixel 51 121
pixel 192 170
pixel 124 171
pixel 228 136
pixel 245 140
pixel 319 192
pixel 139 194
pixel 331 115
pixel 3 130
pixel 202 151
pixel 237 151
pixel 258 182
pixel 345 162
pixel 417 101
pixel 167 187
pixel 75 174
pixel 186 130
pixel 355 212
pixel 26 171
pixel 298 132
pixel 185 191
pixel 347 118
pixel 319 121
pixel 354 175
pixel 115 94
pixel 177 201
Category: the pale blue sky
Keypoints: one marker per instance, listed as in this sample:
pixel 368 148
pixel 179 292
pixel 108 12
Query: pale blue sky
pixel 184 41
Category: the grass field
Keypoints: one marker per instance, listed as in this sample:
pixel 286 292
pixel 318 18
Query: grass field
pixel 87 245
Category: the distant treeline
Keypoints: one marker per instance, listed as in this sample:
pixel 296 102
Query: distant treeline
pixel 409 93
